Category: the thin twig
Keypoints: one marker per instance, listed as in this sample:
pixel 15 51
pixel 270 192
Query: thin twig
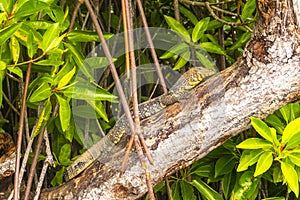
pixel 10 104
pixel 112 66
pixel 152 49
pixel 34 162
pixel 73 18
pixel 20 134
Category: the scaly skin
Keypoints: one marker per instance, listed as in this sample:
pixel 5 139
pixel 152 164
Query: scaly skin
pixel 187 81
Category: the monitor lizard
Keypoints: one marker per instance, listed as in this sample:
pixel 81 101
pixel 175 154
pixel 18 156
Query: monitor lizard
pixel 186 82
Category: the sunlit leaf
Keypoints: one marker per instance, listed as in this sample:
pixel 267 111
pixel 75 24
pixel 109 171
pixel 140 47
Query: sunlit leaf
pixel 295 158
pixel 41 93
pixel 183 59
pixel 15 49
pixel 248 158
pixel 290 135
pixel 291 177
pixel 212 48
pixel 64 112
pixel 66 79
pixel 178 28
pixel 43 118
pixel 8 32
pixel 262 128
pixel 264 163
pixel 199 29
pixel 255 143
pixel 86 36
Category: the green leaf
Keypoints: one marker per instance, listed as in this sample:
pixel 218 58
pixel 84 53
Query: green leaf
pixel 254 143
pixel 205 61
pixel 50 37
pixel 43 118
pixel 264 163
pixel 184 58
pixel 275 122
pixel 212 48
pixel 58 178
pixel 274 137
pixel 199 29
pixel 224 165
pixel 248 10
pixel 262 128
pixel 189 14
pixel 41 93
pixel 291 177
pixel 228 181
pixel 6 5
pixel 246 186
pixel 277 174
pixel 92 63
pixel 175 50
pixel 64 155
pixel 187 191
pixel 275 198
pixel 29 8
pixel 286 113
pixel 66 79
pixel 86 36
pixel 86 92
pixel 290 135
pixel 206 191
pixel 64 112
pixel 175 191
pixel 248 158
pixel 8 32
pixel 178 28
pixel 295 158
pixel 241 41
pixel 15 49
pixel 98 106
pixel 78 58
pixel 49 62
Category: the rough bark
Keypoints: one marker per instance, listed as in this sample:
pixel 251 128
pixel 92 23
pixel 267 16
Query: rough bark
pixel 264 79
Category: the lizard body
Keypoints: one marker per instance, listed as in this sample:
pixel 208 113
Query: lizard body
pixel 187 81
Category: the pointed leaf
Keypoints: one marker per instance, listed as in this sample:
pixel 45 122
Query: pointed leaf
pixel 206 191
pixel 66 79
pixel 248 158
pixel 50 36
pixel 184 58
pixel 41 93
pixel 291 177
pixel 65 154
pixel 175 50
pixel 224 165
pixel 264 163
pixel 7 32
pixel 290 135
pixel 199 29
pixel 178 28
pixel 254 143
pixel 205 61
pixel 212 48
pixel 187 191
pixel 295 158
pixel 64 112
pixel 262 128
pixel 15 49
pixel 43 118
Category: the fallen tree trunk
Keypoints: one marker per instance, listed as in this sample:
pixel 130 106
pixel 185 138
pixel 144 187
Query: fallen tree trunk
pixel 263 80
